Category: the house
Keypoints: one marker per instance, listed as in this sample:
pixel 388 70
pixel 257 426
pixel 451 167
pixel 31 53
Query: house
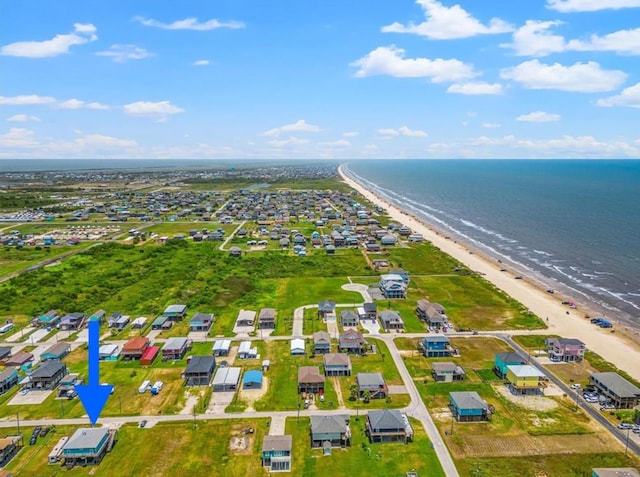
pixel 297 347
pixel 50 318
pixel 252 379
pixel 636 415
pixel 388 240
pixel 175 312
pixel 5 353
pixel 622 393
pixel 371 311
pixel 348 319
pixel 22 360
pixel 326 307
pixel 245 351
pixel 447 372
pixel 433 314
pixel 615 472
pixel 337 364
pixel 525 379
pixel 330 249
pixel 149 356
pixel 502 360
pixel 121 323
pixel 87 446
pixel 134 348
pixel 47 376
pixel 98 316
pixel 68 384
pixel 352 341
pixel 391 321
pixel 246 318
pixel 436 346
pixel 235 251
pixel 201 322
pixel 221 347
pixel 392 286
pixel 226 379
pixel 330 431
pixel 321 342
pixel 310 380
pixel 175 348
pixel 199 371
pixel 111 321
pixel 468 406
pixel 109 352
pixel 565 349
pixel 138 323
pixel 388 425
pixel 72 321
pixel 267 319
pixel 162 322
pixel 373 383
pixel 8 379
pixel 56 352
pixel 276 453
pixel 9 446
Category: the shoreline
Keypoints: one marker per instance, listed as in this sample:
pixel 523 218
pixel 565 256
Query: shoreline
pixel 618 348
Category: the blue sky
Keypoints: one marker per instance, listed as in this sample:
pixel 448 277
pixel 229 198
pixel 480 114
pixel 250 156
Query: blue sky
pixel 319 79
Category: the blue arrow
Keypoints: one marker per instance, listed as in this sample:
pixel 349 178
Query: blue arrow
pixel 93 395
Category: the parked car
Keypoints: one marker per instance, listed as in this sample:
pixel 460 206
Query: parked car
pixel 576 386
pixel 143 423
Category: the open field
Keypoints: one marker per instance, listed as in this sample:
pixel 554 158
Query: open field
pixel 13 259
pixel 185 450
pixel 361 458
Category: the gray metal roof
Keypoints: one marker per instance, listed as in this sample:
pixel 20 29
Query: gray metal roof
pixel 510 357
pixel 616 472
pixel 200 364
pixel 174 344
pixel 370 379
pixel 226 376
pixel 468 400
pixel 86 438
pixel 329 424
pixel 48 369
pixel 386 419
pixel 176 309
pixel 617 384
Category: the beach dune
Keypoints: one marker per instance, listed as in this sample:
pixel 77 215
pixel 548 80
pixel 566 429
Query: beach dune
pixel 614 347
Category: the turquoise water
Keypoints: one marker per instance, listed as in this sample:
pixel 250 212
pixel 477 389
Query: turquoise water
pixel 572 224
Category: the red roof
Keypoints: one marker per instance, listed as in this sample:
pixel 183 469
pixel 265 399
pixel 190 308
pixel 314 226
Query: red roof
pixel 135 344
pixel 149 354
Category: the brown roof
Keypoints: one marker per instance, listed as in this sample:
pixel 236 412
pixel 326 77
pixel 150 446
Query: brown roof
pixel 136 344
pixel 19 359
pixel 309 374
pixel 58 348
pixel 337 359
pixel 277 443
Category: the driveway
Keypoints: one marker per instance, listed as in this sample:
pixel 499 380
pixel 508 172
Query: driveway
pixel 359 288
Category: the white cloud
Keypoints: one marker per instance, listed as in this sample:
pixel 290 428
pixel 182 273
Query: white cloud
pixel 122 53
pixel 338 143
pixel 161 110
pixel 402 131
pixel 538 117
pixel 475 88
pixel 444 23
pixel 78 104
pixel 18 138
pixel 23 118
pixel 579 77
pixel 26 99
pixel 491 125
pixel 100 140
pixel 201 63
pixel 535 39
pixel 628 97
pixel 299 126
pixel 190 24
pixel 58 45
pixel 292 141
pixel 590 5
pixel 390 61
pixel 350 134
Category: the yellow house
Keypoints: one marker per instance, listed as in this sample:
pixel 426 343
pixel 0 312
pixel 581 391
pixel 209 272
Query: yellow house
pixel 524 379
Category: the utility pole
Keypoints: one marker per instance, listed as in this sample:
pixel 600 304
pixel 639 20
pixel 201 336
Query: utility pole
pixel 18 422
pixel 298 411
pixel 626 444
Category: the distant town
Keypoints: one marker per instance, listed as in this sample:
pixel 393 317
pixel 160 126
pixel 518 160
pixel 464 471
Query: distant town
pixel 273 319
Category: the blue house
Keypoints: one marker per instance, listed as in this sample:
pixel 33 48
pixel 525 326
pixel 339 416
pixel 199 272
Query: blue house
pixel 8 379
pixel 98 316
pixel 506 359
pixel 86 446
pixel 50 318
pixel 436 346
pixel 468 406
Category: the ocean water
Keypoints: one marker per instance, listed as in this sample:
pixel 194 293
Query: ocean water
pixel 573 225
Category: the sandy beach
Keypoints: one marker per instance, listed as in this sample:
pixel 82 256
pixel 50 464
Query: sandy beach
pixel 619 350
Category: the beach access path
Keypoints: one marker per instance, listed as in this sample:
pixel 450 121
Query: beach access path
pixel 611 346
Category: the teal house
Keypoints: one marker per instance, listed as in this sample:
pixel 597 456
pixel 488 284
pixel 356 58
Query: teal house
pixel 56 352
pixel 468 406
pixel 506 359
pixel 86 446
pixel 50 318
pixel 276 453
